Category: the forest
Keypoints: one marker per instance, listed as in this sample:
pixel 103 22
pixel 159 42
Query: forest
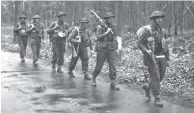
pixel 130 15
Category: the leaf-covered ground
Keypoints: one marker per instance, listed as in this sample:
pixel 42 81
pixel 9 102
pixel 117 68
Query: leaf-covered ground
pixel 179 79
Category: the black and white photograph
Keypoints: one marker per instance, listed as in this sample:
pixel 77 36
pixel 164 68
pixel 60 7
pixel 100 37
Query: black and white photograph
pixel 101 56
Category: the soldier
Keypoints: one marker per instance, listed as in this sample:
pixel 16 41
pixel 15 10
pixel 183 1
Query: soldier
pixel 80 39
pixel 20 30
pixel 106 50
pixel 36 33
pixel 59 32
pixel 152 43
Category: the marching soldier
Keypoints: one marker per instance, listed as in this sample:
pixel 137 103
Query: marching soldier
pixel 36 33
pixel 59 32
pixel 20 30
pixel 152 43
pixel 106 50
pixel 80 40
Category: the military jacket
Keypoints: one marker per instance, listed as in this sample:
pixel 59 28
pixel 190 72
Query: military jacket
pixel 61 28
pixel 85 38
pixel 106 41
pixel 158 34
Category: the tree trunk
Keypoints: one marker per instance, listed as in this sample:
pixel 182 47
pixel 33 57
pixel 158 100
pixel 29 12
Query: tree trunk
pixel 17 3
pixel 171 17
pixel 182 18
pixel 119 17
pixel 175 18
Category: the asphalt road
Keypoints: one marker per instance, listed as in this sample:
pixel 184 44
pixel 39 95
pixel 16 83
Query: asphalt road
pixel 26 89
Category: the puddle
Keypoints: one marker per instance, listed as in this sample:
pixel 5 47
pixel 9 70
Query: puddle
pixel 40 89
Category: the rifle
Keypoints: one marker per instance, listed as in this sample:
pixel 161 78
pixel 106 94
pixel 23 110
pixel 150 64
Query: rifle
pixel 102 21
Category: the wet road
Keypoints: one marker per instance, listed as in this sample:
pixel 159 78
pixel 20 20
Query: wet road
pixel 25 89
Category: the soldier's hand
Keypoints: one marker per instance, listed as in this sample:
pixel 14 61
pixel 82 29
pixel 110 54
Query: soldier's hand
pixel 148 52
pixel 79 41
pixel 78 38
pixel 118 51
pixel 56 26
pixel 167 63
pixel 108 30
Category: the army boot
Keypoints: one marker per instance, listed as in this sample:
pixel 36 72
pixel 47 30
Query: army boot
pixel 71 75
pixel 147 91
pixel 35 64
pixel 59 70
pixel 157 102
pixel 53 68
pixel 22 60
pixel 114 85
pixel 94 81
pixel 87 77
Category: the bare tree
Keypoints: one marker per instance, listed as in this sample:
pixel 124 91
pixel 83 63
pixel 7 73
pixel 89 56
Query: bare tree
pixel 16 3
pixel 119 17
pixel 182 18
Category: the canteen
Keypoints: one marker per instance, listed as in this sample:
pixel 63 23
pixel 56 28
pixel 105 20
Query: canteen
pixel 23 31
pixel 61 34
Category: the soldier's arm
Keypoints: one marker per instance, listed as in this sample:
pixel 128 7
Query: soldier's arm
pixel 90 41
pixel 16 28
pixel 142 40
pixel 67 29
pixel 167 55
pixel 67 26
pixel 51 28
pixel 72 36
pixel 29 28
pixel 99 33
pixel 42 27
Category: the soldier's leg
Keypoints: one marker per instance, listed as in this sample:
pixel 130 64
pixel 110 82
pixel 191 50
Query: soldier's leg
pixel 162 68
pixel 154 78
pixel 85 60
pixel 55 54
pixel 155 81
pixel 147 85
pixel 34 49
pixel 112 68
pixel 25 42
pixel 60 62
pixel 20 41
pixel 101 58
pixel 38 49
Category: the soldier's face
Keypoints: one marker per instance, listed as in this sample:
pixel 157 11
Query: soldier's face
pixel 83 25
pixel 37 20
pixel 110 19
pixel 61 18
pixel 159 20
pixel 22 20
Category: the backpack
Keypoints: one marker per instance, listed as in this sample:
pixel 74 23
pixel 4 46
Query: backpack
pixel 148 27
pixel 140 30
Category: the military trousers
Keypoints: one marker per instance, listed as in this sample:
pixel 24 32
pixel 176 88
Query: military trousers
pixel 23 41
pixel 83 55
pixel 58 49
pixel 35 46
pixel 110 55
pixel 156 71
